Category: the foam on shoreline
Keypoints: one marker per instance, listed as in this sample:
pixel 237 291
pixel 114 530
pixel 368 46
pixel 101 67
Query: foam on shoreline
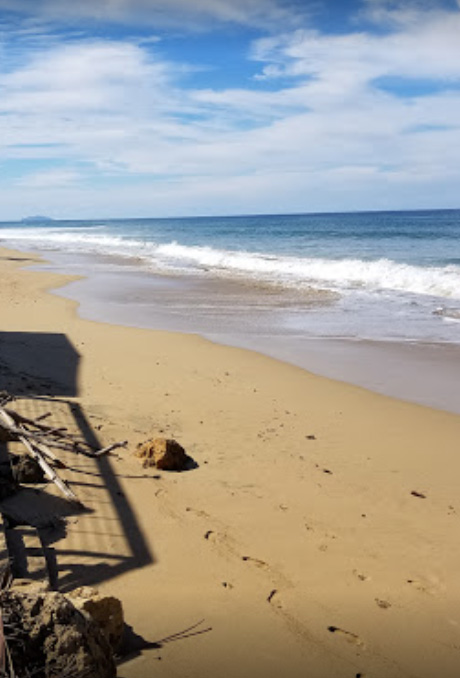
pixel 276 322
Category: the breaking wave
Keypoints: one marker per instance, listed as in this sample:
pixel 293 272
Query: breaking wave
pixel 290 271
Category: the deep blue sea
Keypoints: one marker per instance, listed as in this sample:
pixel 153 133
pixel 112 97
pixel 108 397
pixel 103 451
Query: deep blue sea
pixel 324 291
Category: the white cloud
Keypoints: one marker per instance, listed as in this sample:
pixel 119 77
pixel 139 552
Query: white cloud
pixel 87 102
pixel 331 139
pixel 427 50
pixel 85 76
pixel 192 14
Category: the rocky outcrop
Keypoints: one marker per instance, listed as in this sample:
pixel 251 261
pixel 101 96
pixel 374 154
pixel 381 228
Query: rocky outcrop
pixel 48 637
pixel 163 453
pixel 106 611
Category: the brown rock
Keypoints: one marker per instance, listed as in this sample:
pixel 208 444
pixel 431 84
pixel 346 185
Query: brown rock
pixel 164 453
pixel 55 639
pixel 106 611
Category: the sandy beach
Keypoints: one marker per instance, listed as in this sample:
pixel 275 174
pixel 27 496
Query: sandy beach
pixel 317 535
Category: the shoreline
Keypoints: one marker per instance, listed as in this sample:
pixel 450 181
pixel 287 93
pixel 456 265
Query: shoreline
pixel 298 538
pixel 422 372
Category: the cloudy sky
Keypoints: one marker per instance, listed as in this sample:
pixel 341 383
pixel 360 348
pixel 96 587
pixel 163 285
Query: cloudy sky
pixel 117 108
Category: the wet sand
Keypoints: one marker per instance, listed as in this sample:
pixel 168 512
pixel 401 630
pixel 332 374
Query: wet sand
pixel 318 535
pixel 280 323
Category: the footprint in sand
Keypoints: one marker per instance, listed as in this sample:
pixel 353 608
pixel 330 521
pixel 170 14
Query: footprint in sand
pixel 318 528
pixel 292 622
pixel 330 536
pixel 346 635
pixel 223 542
pixel 258 563
pixel 426 586
pixel 197 512
pixel 230 548
pixel 384 604
pixel 361 576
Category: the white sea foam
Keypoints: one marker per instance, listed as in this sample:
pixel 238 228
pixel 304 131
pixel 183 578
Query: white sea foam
pixel 340 274
pixel 295 272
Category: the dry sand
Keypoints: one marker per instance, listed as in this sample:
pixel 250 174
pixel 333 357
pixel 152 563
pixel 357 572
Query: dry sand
pixel 297 540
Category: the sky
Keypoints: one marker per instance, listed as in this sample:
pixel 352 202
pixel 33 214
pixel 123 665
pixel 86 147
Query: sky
pixel 156 108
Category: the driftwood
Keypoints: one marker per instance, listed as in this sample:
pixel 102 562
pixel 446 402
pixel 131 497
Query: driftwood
pixel 21 419
pixel 55 437
pixel 39 438
pixel 38 451
pixel 109 448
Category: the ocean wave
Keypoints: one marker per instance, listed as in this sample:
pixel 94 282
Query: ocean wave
pixel 88 239
pixel 337 274
pixel 290 271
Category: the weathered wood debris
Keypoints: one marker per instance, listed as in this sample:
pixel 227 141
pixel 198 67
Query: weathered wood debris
pixel 41 439
pixel 42 632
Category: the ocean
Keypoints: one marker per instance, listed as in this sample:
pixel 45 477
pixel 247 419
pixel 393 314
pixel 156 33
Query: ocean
pixel 318 290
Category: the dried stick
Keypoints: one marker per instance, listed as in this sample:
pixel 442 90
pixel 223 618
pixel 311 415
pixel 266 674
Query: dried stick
pixel 109 448
pixel 45 433
pixel 21 419
pixel 43 437
pixel 36 438
pixel 35 449
pixel 43 416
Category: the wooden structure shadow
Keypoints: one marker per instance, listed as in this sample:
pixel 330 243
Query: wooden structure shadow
pixel 42 531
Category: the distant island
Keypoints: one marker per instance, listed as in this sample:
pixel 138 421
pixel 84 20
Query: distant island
pixel 35 219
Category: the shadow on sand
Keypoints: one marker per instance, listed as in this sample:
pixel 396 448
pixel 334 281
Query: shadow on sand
pixel 45 535
pixel 81 546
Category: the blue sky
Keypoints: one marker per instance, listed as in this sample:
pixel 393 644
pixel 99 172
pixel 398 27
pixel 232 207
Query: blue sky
pixel 118 108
